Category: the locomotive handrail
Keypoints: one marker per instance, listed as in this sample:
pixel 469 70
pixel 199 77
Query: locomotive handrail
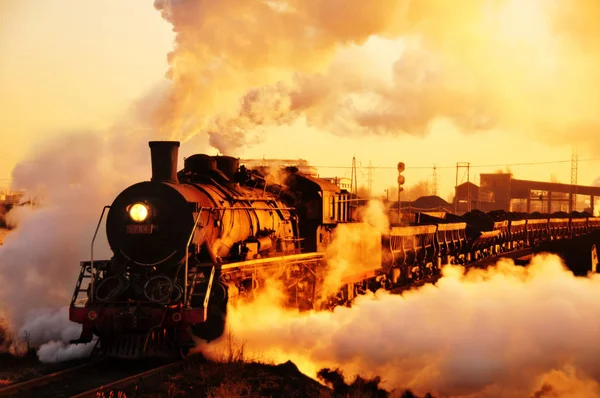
pixel 93 276
pixel 208 289
pixel 187 249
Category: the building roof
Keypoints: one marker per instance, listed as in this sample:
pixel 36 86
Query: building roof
pixel 554 187
pixel 464 184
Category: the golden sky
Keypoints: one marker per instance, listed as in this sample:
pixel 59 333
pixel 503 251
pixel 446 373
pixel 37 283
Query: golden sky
pixel 76 66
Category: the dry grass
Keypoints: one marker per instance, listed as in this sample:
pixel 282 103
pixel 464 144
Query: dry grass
pixel 359 387
pixel 13 351
pixel 232 374
pixel 112 394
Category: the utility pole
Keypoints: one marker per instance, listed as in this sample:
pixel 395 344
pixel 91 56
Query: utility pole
pixel 434 184
pixel 574 167
pixel 353 179
pixel 462 165
pixel 370 179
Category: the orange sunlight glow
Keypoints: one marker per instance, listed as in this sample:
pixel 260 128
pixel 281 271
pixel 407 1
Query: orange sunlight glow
pixel 461 80
pixel 505 331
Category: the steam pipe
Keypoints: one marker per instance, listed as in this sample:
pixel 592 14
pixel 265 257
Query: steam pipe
pixel 163 155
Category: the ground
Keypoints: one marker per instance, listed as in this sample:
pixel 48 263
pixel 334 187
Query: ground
pixel 18 368
pixel 200 378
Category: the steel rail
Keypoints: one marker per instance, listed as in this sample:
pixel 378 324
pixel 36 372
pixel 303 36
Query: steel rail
pixel 42 380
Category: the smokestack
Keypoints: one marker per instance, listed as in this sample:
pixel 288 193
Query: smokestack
pixel 163 155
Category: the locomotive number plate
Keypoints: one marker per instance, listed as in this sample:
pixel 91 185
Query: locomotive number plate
pixel 139 229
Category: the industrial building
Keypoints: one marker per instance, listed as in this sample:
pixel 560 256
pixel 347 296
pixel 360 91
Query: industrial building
pixel 500 191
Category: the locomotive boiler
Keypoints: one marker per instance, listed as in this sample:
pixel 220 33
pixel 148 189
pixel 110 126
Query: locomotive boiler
pixel 184 242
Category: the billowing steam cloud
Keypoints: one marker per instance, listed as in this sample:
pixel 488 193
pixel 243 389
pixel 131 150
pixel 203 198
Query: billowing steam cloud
pixel 526 67
pixel 356 247
pixel 225 49
pixel 505 332
pixel 75 176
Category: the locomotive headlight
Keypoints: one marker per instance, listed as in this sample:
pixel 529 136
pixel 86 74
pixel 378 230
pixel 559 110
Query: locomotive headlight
pixel 138 212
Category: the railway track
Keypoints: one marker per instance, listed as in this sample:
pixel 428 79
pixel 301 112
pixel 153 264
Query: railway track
pixel 88 379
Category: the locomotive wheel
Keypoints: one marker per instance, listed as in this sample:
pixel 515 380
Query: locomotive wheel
pixel 159 288
pixel 176 294
pixel 111 288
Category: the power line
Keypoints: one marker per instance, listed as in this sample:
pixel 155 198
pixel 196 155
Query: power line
pixel 472 166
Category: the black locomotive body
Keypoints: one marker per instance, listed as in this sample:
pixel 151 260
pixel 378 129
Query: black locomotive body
pixel 185 243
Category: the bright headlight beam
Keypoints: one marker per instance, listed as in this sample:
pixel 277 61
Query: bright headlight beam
pixel 138 212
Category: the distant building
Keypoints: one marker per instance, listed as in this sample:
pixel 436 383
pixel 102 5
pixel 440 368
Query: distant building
pixel 500 191
pixel 342 182
pixel 469 196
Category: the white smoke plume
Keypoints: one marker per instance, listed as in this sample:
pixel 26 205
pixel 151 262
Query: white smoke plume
pixel 50 330
pixel 484 64
pixel 224 50
pixel 503 332
pixel 75 175
pixel 355 247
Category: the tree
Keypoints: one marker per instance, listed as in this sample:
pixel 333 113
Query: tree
pixel 411 192
pixel 506 171
pixel 362 192
pixel 392 193
pixel 417 190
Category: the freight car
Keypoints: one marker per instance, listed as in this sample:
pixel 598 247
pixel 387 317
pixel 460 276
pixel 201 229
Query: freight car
pixel 417 253
pixel 187 242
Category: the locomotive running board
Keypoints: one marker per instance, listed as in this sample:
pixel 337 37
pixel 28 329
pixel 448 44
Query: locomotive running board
pixel 269 260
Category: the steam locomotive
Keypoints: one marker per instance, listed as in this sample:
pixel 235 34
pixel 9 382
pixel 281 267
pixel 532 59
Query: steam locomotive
pixel 187 242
